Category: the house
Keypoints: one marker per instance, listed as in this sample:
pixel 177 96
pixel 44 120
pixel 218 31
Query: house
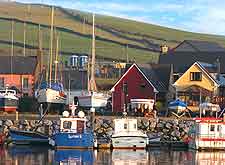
pixel 189 51
pixel 18 72
pixel 200 83
pixel 74 81
pixel 139 86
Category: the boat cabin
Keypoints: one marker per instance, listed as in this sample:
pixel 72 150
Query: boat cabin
pixel 8 91
pixel 73 124
pixel 209 133
pixel 125 125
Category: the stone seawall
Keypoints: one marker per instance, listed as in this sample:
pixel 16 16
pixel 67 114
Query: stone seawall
pixel 165 128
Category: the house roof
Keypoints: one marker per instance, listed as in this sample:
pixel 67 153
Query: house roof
pixel 127 71
pixel 181 61
pixel 198 46
pixel 77 78
pixel 203 70
pixel 157 75
pixel 17 64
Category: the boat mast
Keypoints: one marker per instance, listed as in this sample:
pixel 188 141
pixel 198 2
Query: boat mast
pixel 51 45
pixel 12 49
pixel 92 79
pixel 56 57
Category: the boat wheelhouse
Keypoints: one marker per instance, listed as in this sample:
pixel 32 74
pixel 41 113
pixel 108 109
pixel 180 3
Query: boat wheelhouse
pixel 73 133
pixel 126 135
pixel 8 100
pixel 208 133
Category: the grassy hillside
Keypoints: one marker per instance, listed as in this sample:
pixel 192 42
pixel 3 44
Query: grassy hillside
pixel 74 29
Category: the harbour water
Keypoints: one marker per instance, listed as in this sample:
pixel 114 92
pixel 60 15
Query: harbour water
pixel 25 155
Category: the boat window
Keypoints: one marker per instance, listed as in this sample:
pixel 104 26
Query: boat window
pixel 218 128
pixel 212 127
pixel 67 124
pixel 125 126
pixel 135 126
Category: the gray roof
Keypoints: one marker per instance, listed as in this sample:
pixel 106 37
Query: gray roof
pixel 17 64
pixel 181 61
pixel 77 78
pixel 158 75
pixel 198 46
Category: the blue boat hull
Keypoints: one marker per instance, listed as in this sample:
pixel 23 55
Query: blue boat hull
pixel 73 140
pixel 28 137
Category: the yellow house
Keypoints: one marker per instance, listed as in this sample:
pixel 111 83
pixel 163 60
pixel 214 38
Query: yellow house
pixel 196 85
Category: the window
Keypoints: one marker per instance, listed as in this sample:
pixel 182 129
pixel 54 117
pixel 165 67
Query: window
pixel 25 83
pixel 2 82
pixel 125 126
pixel 135 126
pixel 212 128
pixel 196 76
pixel 67 124
pixel 219 128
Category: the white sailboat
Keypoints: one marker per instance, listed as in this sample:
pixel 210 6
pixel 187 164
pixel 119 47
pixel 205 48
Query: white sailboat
pixel 51 91
pixel 92 98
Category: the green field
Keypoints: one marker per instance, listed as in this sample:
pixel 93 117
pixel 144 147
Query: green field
pixel 113 34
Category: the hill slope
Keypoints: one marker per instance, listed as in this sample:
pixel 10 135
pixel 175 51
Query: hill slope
pixel 113 39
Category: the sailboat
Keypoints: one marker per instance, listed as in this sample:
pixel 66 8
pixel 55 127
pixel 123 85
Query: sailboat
pixel 51 91
pixel 92 98
pixel 8 97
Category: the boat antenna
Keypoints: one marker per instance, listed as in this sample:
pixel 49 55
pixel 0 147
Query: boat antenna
pixel 92 79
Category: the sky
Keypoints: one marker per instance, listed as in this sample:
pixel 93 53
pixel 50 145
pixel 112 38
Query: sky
pixel 202 16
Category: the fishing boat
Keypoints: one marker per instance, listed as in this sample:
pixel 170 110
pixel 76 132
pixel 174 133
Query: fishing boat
pixel 73 133
pixel 127 136
pixel 28 137
pixel 208 133
pixel 92 98
pixel 8 100
pixel 51 91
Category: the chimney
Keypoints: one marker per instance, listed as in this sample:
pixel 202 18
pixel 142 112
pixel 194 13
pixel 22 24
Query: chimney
pixel 164 49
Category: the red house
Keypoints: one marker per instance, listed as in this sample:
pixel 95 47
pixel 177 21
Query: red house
pixel 133 90
pixel 18 72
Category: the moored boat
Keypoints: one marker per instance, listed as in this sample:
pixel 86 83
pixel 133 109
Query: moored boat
pixel 8 100
pixel 73 133
pixel 126 135
pixel 208 133
pixel 28 137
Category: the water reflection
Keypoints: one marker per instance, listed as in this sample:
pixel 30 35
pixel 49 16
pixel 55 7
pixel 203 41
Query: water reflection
pixel 26 155
pixel 76 157
pixel 40 156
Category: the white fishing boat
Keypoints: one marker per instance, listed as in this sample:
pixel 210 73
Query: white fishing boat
pixel 8 100
pixel 126 135
pixel 92 98
pixel 208 133
pixel 51 91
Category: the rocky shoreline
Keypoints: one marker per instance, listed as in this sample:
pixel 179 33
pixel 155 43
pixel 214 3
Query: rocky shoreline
pixel 166 129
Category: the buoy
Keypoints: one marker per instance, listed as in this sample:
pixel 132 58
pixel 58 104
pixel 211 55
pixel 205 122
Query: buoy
pixel 66 114
pixel 81 114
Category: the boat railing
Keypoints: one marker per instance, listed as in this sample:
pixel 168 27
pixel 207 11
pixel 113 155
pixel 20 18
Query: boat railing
pixel 213 135
pixel 74 130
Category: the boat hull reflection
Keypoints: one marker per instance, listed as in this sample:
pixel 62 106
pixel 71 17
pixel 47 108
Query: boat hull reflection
pixel 74 157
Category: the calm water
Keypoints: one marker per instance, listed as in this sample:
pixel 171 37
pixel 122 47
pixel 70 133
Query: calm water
pixel 42 156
